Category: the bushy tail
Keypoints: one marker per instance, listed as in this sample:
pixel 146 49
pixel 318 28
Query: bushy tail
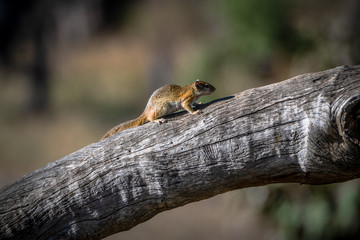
pixel 123 126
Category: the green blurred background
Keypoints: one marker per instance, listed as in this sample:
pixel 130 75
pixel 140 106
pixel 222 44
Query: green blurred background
pixel 70 70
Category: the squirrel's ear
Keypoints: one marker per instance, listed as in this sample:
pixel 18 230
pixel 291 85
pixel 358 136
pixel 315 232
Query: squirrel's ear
pixel 197 82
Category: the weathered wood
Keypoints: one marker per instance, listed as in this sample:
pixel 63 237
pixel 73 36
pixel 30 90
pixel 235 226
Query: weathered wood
pixel 304 130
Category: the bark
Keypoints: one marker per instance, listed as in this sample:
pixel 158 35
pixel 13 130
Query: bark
pixel 303 130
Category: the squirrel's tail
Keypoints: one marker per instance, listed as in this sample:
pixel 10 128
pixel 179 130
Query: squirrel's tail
pixel 123 126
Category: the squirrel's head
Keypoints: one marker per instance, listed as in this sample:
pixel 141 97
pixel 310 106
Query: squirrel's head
pixel 204 88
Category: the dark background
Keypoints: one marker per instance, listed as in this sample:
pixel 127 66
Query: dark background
pixel 72 69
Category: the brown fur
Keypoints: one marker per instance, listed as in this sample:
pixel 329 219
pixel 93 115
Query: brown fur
pixel 166 100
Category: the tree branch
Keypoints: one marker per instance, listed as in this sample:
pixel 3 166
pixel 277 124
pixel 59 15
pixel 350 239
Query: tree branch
pixel 304 130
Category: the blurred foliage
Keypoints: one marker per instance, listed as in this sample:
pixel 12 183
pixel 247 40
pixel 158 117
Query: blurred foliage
pixel 258 34
pixel 315 212
pixel 261 29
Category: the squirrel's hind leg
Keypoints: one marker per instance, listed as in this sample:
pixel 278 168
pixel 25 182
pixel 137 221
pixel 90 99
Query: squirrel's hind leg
pixel 160 120
pixel 154 116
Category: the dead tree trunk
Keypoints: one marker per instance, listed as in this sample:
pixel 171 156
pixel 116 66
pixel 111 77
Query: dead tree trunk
pixel 304 130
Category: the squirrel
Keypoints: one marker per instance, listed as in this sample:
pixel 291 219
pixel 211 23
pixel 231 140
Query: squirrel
pixel 166 100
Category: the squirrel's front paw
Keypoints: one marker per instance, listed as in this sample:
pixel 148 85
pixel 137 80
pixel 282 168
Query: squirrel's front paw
pixel 197 112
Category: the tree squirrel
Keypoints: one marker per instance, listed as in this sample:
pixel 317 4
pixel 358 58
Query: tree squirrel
pixel 166 100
